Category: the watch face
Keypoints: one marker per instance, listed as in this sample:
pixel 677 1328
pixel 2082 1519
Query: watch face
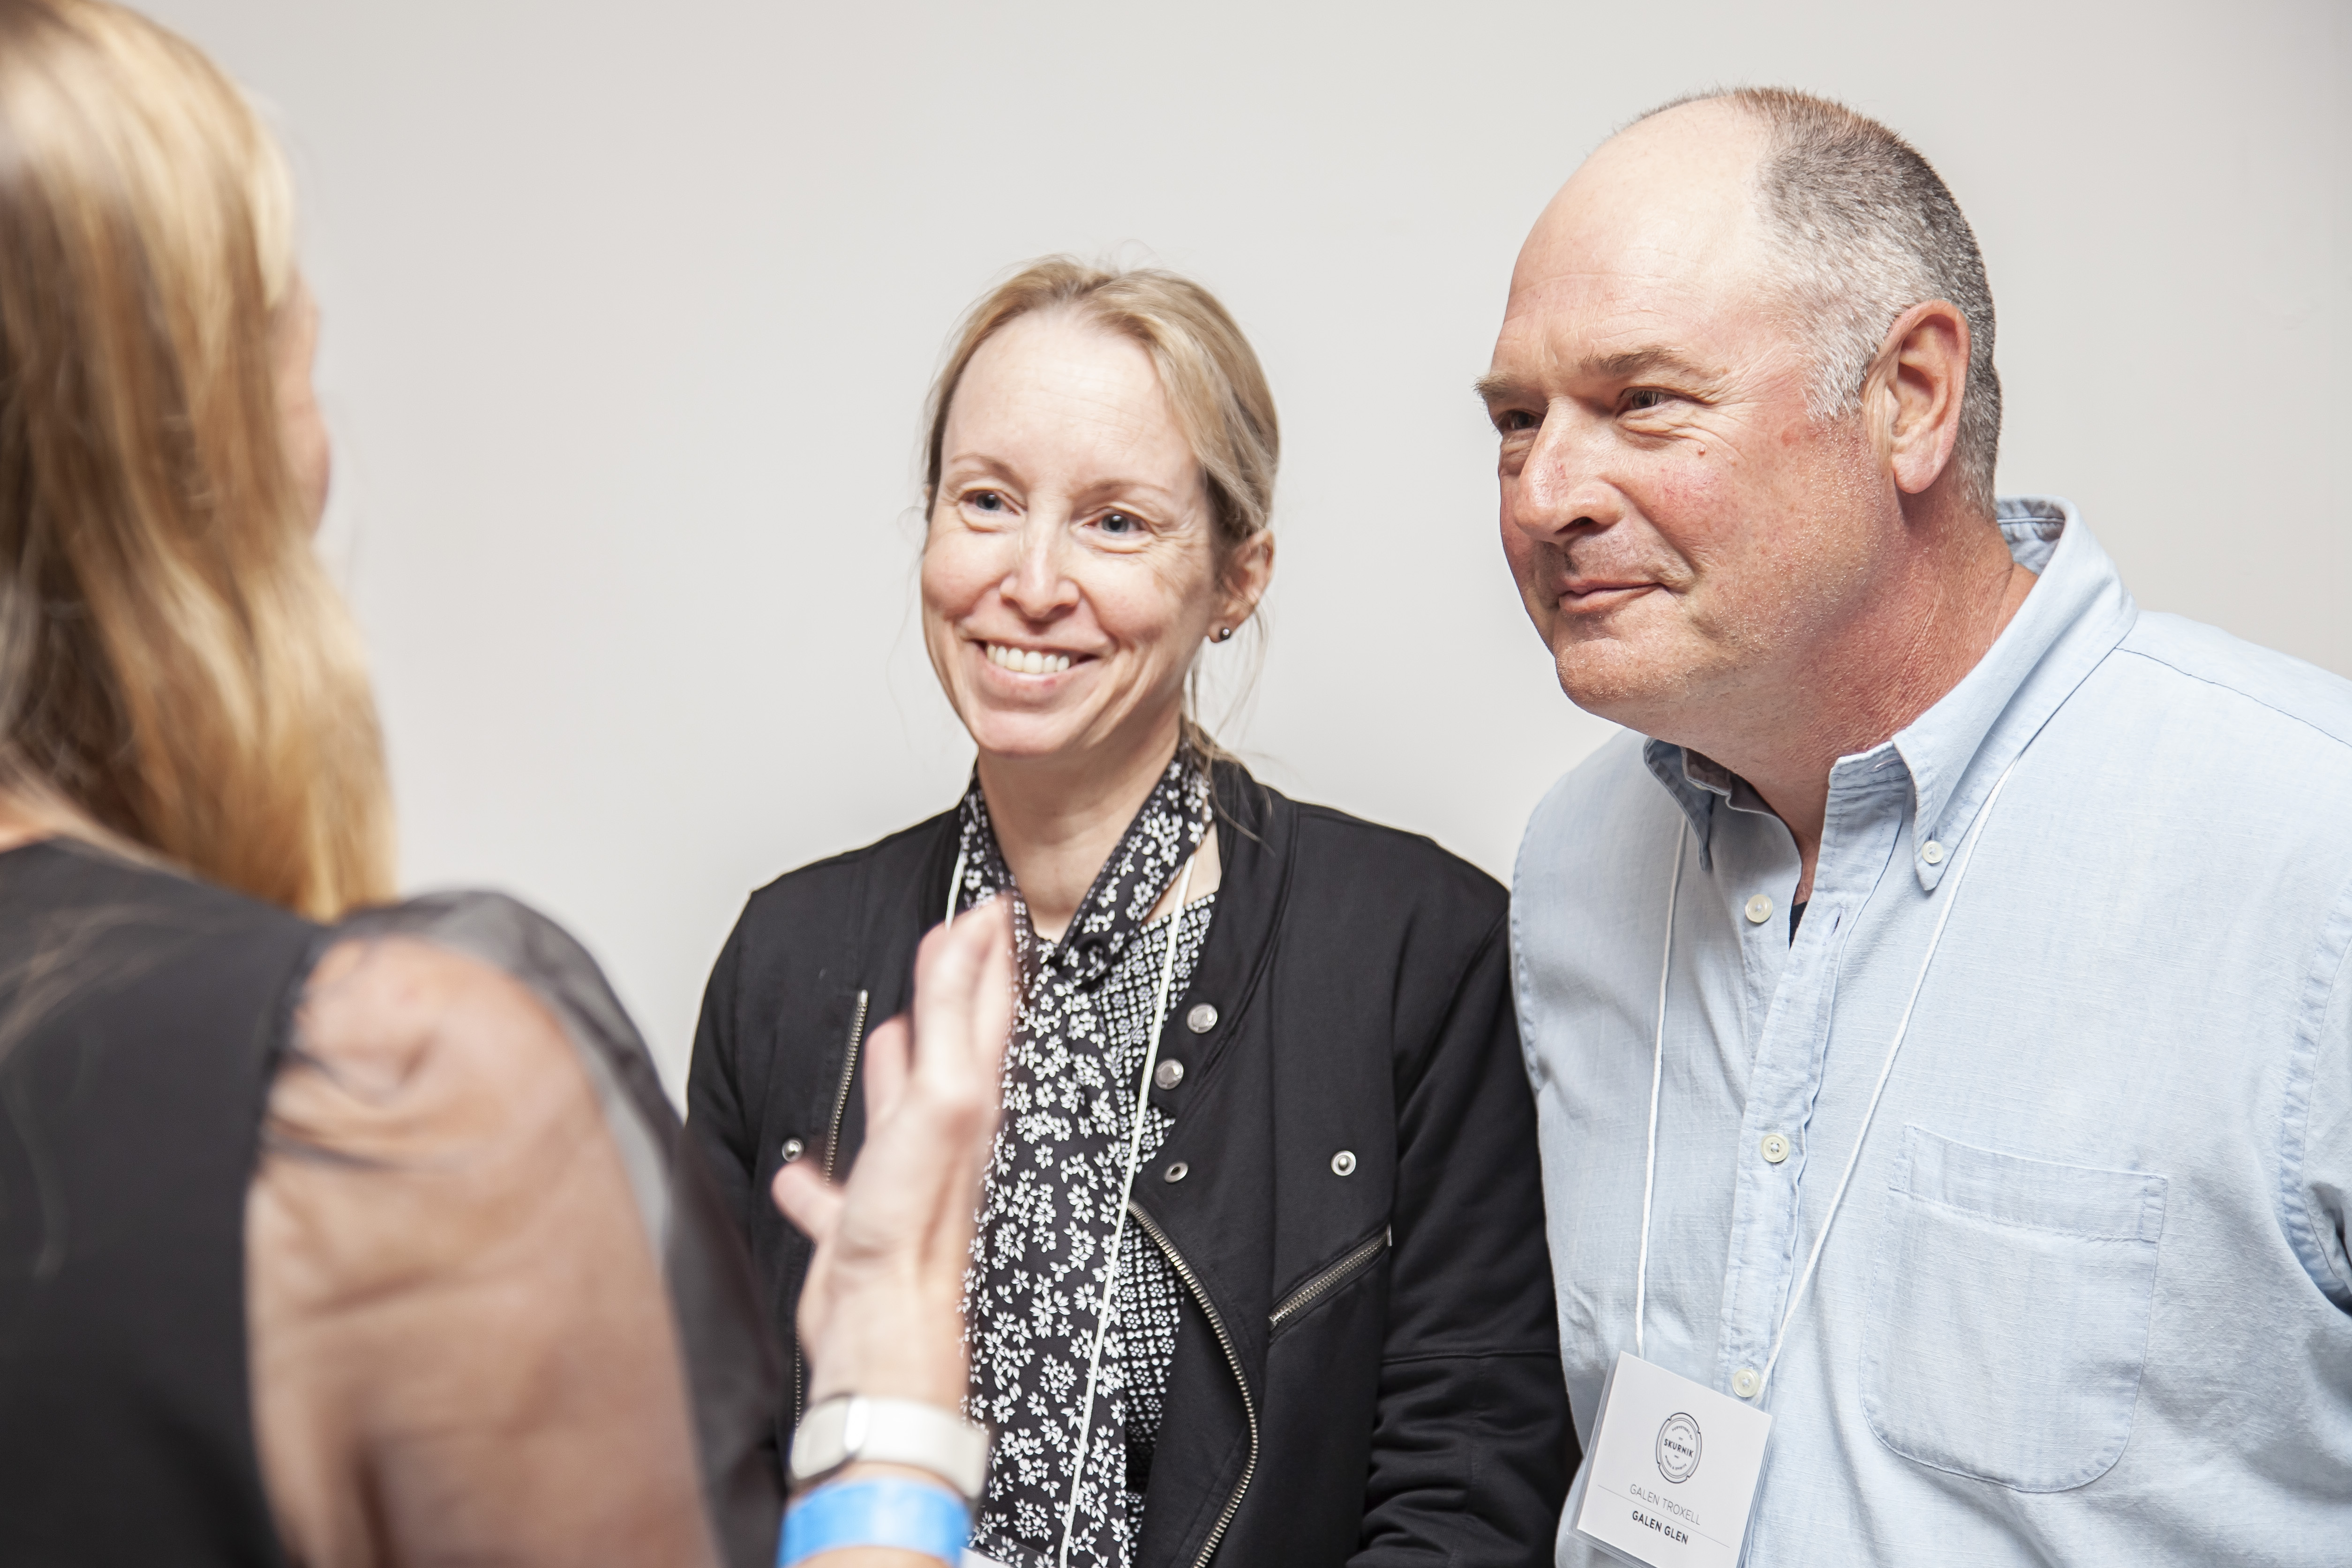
pixel 818 1447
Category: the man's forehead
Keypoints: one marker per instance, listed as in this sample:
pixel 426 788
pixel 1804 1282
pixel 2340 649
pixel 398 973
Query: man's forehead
pixel 1641 219
pixel 1652 235
pixel 1641 306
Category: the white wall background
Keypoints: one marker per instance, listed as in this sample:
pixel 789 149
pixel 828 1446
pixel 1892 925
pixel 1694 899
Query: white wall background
pixel 629 309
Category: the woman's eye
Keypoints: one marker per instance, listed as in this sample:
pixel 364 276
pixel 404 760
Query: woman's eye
pixel 984 501
pixel 1119 525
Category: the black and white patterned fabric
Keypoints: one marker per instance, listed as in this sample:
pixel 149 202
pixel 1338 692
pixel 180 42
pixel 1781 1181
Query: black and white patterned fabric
pixel 1054 1195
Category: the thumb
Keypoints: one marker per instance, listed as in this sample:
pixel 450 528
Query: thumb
pixel 808 1200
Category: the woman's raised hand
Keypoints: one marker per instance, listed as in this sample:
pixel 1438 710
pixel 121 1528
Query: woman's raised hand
pixel 881 1313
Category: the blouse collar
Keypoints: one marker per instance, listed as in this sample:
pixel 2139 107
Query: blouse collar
pixel 1171 824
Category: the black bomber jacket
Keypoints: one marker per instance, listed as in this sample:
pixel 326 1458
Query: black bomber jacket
pixel 1366 1370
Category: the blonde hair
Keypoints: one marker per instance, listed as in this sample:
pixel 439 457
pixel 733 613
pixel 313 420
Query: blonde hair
pixel 176 672
pixel 1207 369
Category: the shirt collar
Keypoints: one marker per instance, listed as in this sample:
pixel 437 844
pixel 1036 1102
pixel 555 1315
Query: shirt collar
pixel 1957 749
pixel 1697 782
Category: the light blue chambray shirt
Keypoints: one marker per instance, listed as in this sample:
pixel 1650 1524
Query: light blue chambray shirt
pixel 2087 1301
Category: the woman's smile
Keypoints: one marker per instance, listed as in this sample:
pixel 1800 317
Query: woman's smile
pixel 1030 661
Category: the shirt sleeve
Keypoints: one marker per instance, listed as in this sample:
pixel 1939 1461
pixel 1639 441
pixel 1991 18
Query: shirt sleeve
pixel 716 1121
pixel 462 1346
pixel 1471 1441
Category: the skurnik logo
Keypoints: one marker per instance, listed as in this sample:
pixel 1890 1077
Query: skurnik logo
pixel 1678 1448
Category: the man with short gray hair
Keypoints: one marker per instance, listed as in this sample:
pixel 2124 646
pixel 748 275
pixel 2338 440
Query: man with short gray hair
pixel 1938 1009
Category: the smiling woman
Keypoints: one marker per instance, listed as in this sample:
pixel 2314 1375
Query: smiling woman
pixel 1171 423
pixel 1268 1281
pixel 1075 561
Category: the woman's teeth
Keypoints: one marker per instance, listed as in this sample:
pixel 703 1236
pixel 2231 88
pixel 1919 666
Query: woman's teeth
pixel 1027 660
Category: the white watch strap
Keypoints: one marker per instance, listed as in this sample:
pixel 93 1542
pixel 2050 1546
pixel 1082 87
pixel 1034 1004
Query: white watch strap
pixel 851 1426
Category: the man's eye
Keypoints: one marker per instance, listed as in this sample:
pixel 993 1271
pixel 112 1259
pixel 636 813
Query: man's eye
pixel 1516 421
pixel 1643 399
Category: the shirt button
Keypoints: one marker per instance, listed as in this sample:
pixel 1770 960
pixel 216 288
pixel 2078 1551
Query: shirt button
pixel 1201 1019
pixel 1344 1162
pixel 1745 1383
pixel 1759 910
pixel 1932 853
pixel 1775 1147
pixel 793 1149
pixel 1176 1172
pixel 1167 1075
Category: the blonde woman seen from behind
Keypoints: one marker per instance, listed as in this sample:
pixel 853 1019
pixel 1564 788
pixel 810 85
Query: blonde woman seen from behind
pixel 330 1231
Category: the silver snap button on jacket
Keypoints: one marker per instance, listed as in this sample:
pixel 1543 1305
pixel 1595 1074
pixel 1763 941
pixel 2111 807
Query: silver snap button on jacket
pixel 793 1149
pixel 1177 1172
pixel 1167 1075
pixel 1344 1162
pixel 1201 1019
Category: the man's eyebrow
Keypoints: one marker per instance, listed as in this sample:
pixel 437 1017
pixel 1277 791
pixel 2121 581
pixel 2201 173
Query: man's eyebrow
pixel 1630 364
pixel 1627 364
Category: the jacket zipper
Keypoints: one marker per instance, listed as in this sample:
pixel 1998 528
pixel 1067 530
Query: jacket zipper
pixel 832 1158
pixel 1233 1359
pixel 841 1095
pixel 1358 1260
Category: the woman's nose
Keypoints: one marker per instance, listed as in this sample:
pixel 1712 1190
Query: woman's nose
pixel 1037 586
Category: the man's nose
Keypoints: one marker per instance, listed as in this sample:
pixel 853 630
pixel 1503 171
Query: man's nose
pixel 1560 486
pixel 1038 586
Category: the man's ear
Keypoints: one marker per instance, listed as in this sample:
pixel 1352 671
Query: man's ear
pixel 1249 570
pixel 1915 391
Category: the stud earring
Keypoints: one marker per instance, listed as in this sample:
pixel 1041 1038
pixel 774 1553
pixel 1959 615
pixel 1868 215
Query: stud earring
pixel 1224 634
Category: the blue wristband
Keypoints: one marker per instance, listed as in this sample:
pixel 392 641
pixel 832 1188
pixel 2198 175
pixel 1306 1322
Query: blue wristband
pixel 914 1516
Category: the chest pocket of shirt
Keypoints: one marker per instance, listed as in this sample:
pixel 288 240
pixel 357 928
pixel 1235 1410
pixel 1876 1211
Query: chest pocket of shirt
pixel 2009 1314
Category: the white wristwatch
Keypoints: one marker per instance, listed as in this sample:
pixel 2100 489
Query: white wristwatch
pixel 851 1426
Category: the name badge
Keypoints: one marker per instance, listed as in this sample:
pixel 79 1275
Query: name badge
pixel 1673 1470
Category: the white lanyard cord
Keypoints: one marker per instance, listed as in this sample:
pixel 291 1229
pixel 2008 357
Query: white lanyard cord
pixel 1657 1073
pixel 1902 1029
pixel 955 886
pixel 1127 1190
